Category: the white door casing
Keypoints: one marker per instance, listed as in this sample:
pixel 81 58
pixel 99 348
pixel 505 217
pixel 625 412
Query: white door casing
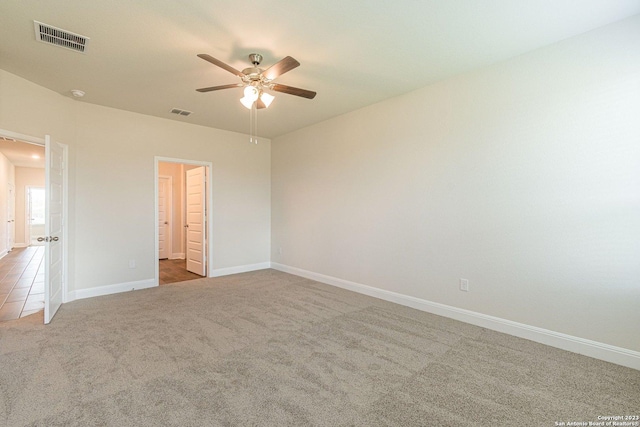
pixel 54 247
pixel 11 216
pixel 196 225
pixel 164 217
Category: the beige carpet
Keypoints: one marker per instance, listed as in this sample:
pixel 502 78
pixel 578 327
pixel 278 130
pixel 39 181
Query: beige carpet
pixel 271 349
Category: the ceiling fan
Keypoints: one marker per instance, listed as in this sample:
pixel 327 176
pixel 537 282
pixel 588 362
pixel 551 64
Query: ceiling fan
pixel 255 80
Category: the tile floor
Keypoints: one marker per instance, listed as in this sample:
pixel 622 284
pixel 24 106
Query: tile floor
pixel 175 270
pixel 22 282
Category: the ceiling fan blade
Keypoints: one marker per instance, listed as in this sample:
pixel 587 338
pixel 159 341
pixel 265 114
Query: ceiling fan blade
pixel 294 91
pixel 212 88
pixel 220 64
pixel 281 67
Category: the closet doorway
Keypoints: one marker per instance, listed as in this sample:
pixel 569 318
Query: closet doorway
pixel 183 215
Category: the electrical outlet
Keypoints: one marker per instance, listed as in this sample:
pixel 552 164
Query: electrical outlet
pixel 132 263
pixel 464 285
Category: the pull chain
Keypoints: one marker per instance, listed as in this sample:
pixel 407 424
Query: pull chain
pixel 253 123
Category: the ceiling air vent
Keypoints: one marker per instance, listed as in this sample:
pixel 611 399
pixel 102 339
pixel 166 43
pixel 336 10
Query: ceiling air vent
pixel 63 38
pixel 180 112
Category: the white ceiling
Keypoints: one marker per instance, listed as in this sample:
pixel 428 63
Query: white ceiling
pixel 23 154
pixel 142 54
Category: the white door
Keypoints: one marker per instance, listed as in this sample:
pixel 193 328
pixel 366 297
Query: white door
pixel 53 254
pixel 196 226
pixel 164 217
pixel 11 216
pixel 35 214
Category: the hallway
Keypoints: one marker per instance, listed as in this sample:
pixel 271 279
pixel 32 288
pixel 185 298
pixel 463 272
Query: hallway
pixel 22 283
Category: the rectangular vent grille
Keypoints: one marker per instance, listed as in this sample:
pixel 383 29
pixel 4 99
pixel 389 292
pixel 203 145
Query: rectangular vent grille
pixel 58 37
pixel 180 112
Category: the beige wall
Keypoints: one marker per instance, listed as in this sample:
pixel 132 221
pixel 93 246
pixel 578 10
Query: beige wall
pixel 25 177
pixel 111 182
pixel 522 177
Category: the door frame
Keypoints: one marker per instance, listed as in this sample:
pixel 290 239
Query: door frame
pixel 11 203
pixel 65 204
pixel 208 216
pixel 169 215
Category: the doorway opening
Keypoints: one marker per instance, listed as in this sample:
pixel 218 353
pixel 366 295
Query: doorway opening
pixel 183 214
pixel 52 271
pixel 22 276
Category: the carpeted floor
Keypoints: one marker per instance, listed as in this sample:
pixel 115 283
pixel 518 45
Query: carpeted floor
pixel 271 349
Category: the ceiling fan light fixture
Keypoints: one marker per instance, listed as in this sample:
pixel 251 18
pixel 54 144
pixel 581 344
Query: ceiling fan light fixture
pixel 247 102
pixel 266 98
pixel 251 92
pixel 254 82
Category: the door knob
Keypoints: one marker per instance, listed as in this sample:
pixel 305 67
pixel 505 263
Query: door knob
pixel 166 222
pixel 186 226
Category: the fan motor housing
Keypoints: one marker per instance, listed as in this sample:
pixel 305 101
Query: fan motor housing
pixel 252 72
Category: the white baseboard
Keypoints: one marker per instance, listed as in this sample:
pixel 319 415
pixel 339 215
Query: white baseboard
pixel 177 256
pixel 239 269
pixel 149 283
pixel 3 253
pixel 110 289
pixel 597 350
